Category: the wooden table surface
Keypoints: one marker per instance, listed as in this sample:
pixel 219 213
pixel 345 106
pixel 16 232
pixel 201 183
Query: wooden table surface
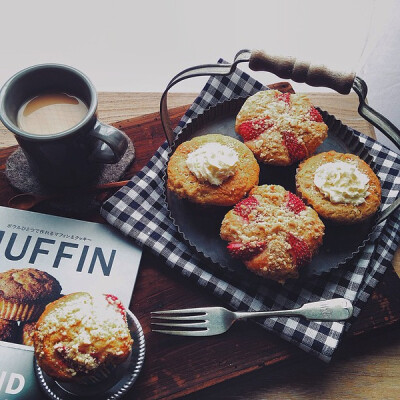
pixel 364 368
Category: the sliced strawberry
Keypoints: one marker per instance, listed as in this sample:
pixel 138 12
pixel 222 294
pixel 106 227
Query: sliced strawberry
pixel 293 203
pixel 114 300
pixel 253 128
pixel 245 251
pixel 245 207
pixel 300 250
pixel 315 115
pixel 297 151
pixel 283 97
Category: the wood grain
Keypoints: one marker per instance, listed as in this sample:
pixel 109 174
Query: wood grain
pixel 121 106
pixel 365 369
pixel 177 366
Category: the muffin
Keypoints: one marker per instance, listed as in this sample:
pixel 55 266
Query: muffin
pixel 341 188
pixel 273 232
pixel 81 337
pixel 280 128
pixel 212 170
pixel 8 330
pixel 25 292
pixel 27 333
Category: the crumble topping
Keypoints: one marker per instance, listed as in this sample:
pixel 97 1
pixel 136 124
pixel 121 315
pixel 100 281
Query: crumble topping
pixel 87 331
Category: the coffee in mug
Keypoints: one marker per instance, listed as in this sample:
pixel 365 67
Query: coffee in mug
pixel 51 113
pixel 51 109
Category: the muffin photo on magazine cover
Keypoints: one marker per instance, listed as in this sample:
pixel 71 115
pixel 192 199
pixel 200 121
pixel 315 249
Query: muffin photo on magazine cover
pixel 24 294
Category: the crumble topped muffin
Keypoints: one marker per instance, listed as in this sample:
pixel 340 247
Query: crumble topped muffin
pixel 342 188
pixel 82 336
pixel 273 232
pixel 280 128
pixel 25 292
pixel 212 170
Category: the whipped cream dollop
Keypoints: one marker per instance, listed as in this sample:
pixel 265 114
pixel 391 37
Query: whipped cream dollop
pixel 342 182
pixel 213 163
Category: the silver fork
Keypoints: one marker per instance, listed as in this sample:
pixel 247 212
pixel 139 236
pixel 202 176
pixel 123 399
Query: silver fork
pixel 209 321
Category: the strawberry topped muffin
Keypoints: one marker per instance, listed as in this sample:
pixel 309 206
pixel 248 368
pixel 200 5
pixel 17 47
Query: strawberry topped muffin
pixel 212 169
pixel 273 232
pixel 81 337
pixel 280 128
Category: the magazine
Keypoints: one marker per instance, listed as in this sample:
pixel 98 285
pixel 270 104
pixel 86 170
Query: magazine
pixel 82 256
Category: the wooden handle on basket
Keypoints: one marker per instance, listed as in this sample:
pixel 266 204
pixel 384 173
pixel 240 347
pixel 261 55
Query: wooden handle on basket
pixel 302 72
pixel 286 68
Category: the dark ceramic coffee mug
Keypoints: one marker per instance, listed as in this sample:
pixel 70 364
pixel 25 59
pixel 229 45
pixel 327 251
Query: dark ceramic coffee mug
pixel 74 156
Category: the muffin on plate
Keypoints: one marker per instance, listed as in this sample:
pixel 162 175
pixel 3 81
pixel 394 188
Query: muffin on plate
pixel 341 188
pixel 81 337
pixel 273 232
pixel 212 169
pixel 8 330
pixel 25 292
pixel 280 128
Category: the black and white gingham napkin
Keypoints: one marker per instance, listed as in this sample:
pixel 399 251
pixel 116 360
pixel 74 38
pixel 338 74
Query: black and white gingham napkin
pixel 138 210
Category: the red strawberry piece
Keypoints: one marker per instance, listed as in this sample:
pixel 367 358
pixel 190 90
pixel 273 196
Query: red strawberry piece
pixel 283 97
pixel 95 355
pixel 300 250
pixel 62 350
pixel 245 251
pixel 297 151
pixel 293 203
pixel 253 128
pixel 315 115
pixel 245 207
pixel 114 300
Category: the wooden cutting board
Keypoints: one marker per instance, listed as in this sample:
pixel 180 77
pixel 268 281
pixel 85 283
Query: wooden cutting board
pixel 176 366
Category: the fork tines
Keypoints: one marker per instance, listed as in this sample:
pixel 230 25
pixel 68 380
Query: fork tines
pixel 195 311
pixel 190 321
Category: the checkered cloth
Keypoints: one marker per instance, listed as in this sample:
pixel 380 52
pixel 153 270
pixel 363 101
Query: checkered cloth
pixel 139 211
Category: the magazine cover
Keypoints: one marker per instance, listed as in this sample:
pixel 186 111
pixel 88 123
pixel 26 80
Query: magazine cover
pixel 81 256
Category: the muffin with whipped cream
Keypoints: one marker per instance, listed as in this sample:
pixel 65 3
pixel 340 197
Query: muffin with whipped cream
pixel 280 128
pixel 212 169
pixel 342 188
pixel 81 337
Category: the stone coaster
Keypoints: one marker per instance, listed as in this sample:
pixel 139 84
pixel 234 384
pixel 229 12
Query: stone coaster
pixel 75 201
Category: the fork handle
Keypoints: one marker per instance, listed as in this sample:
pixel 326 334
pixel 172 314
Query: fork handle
pixel 338 309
